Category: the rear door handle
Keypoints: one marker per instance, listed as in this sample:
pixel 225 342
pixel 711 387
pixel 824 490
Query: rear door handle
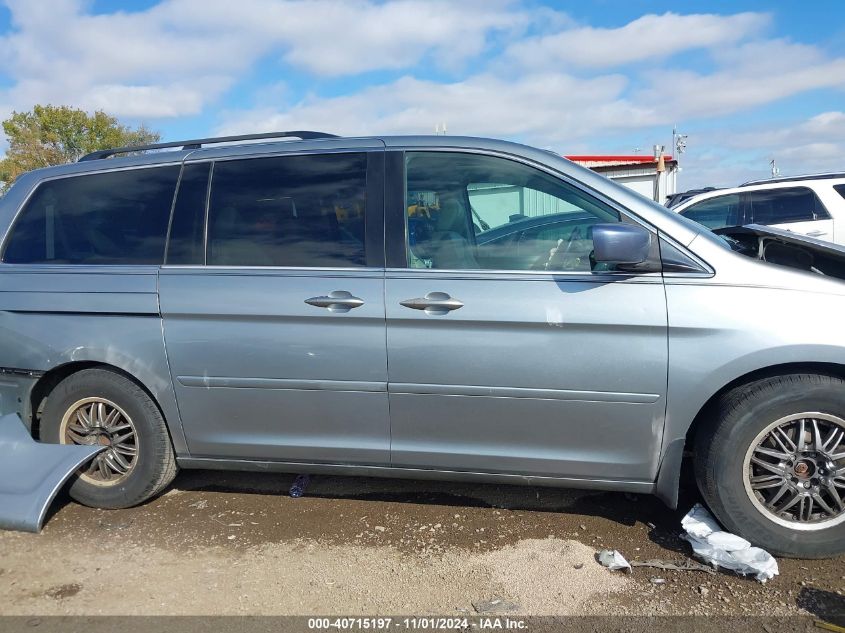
pixel 433 303
pixel 336 301
pixel 816 233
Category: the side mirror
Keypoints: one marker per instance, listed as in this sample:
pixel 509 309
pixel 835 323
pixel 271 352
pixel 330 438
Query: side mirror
pixel 619 243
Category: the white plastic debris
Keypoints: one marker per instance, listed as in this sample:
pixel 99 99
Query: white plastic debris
pixel 723 549
pixel 613 560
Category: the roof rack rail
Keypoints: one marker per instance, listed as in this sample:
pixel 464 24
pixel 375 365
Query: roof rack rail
pixel 199 142
pixel 821 176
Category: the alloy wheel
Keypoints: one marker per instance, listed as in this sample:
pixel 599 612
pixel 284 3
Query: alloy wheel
pixel 92 421
pixel 794 471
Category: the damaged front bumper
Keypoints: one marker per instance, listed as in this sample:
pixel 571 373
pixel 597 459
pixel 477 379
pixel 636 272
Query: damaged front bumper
pixel 31 473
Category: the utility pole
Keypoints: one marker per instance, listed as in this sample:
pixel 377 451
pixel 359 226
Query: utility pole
pixel 661 168
pixel 679 144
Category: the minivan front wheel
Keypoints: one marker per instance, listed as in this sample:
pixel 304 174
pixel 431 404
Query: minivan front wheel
pixel 771 464
pixel 791 471
pixel 102 407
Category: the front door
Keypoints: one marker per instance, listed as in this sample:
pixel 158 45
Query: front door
pixel 277 341
pixel 509 351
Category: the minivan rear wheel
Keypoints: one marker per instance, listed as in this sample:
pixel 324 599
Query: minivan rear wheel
pixel 770 463
pixel 99 406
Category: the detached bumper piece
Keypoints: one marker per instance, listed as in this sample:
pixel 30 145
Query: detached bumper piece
pixel 31 473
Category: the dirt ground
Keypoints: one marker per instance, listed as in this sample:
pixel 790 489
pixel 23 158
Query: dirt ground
pixel 236 543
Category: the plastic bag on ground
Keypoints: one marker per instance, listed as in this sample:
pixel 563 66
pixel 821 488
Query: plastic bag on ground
pixel 613 560
pixel 723 549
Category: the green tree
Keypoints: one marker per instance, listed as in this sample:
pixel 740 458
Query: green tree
pixel 52 135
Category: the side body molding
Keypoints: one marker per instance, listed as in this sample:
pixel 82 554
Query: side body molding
pixel 31 473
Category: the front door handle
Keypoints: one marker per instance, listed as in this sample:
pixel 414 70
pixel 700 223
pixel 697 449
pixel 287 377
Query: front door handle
pixel 816 233
pixel 336 301
pixel 433 303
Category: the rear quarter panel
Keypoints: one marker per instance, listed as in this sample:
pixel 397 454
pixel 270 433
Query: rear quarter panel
pixel 54 315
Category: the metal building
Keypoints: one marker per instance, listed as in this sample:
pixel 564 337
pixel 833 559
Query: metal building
pixel 642 173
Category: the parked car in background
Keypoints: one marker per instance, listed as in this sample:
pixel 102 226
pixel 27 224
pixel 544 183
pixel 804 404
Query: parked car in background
pixel 424 307
pixel 810 205
pixel 674 199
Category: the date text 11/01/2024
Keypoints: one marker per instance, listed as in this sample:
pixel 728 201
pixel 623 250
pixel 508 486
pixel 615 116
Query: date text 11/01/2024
pixel 418 623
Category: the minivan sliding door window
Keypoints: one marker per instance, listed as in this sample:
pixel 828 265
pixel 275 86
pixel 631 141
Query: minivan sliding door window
pixel 296 211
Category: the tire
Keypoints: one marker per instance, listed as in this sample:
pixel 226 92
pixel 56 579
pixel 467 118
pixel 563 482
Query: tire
pixel 747 417
pixel 128 421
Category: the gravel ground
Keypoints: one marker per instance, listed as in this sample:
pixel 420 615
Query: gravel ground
pixel 235 543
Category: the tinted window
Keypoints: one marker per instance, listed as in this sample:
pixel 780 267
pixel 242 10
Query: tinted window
pixel 186 229
pixel 840 189
pixel 715 213
pixel 776 206
pixel 467 211
pixel 288 211
pixel 115 218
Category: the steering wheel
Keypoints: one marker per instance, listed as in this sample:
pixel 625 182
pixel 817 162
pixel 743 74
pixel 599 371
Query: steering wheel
pixel 562 253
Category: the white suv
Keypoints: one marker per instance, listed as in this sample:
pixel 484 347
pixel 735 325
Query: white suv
pixel 810 205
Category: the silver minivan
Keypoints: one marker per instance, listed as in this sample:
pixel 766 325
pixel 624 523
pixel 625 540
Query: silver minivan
pixel 439 307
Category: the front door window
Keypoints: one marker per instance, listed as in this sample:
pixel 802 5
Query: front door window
pixel 475 212
pixel 717 212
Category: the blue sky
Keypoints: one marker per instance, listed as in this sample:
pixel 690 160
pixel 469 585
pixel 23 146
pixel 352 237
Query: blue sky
pixel 748 81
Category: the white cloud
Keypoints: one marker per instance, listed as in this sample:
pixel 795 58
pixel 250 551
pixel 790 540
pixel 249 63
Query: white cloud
pixel 333 37
pixel 180 55
pixel 650 37
pixel 543 103
pixel 536 75
pixel 542 108
pixel 814 145
pixel 791 140
pixel 728 156
pixel 751 75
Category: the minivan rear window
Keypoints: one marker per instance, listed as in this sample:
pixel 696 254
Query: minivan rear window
pixel 784 205
pixel 118 217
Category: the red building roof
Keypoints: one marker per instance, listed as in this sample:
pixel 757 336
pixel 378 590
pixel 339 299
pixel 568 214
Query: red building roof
pixel 615 158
